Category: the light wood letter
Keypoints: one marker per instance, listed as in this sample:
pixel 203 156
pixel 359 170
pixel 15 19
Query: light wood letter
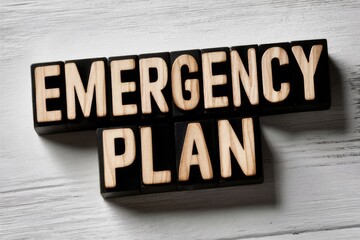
pixel 74 84
pixel 191 85
pixel 270 94
pixel 42 115
pixel 153 88
pixel 194 135
pixel 248 80
pixel 308 68
pixel 118 87
pixel 112 161
pixel 228 141
pixel 210 80
pixel 148 174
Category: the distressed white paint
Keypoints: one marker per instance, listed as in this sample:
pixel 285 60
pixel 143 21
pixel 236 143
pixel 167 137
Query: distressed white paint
pixel 49 185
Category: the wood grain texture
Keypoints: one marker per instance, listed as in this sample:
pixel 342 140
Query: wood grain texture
pixel 75 88
pixel 210 79
pixel 191 85
pixel 194 136
pixel 113 161
pixel 248 78
pixel 118 87
pixel 49 185
pixel 267 76
pixel 149 176
pixel 43 115
pixel 308 67
pixel 244 153
pixel 153 88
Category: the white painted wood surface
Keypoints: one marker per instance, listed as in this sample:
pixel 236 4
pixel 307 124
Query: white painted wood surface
pixel 49 185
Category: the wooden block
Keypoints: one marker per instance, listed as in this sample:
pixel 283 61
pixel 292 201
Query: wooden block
pixel 311 74
pixel 86 82
pixel 277 84
pixel 49 97
pixel 124 89
pixel 216 71
pixel 158 158
pixel 240 151
pixel 186 83
pixel 155 85
pixel 245 75
pixel 119 161
pixel 196 155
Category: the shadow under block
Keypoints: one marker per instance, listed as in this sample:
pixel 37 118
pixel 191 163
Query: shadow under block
pixel 197 159
pixel 187 83
pixel 123 90
pixel 86 82
pixel 49 97
pixel 311 75
pixel 155 85
pixel 119 161
pixel 157 158
pixel 240 151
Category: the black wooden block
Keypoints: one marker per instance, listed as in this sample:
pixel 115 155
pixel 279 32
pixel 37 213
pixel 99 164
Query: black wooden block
pixel 123 90
pixel 277 84
pixel 245 75
pixel 158 158
pixel 49 97
pixel 86 82
pixel 155 85
pixel 119 161
pixel 311 74
pixel 216 80
pixel 186 82
pixel 240 151
pixel 196 155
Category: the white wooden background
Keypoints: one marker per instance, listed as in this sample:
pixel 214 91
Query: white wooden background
pixel 49 185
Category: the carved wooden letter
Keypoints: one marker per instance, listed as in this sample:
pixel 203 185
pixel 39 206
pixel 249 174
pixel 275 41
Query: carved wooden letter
pixel 228 141
pixel 210 80
pixel 74 84
pixel 194 137
pixel 153 88
pixel 111 160
pixel 248 79
pixel 308 68
pixel 148 173
pixel 42 93
pixel 119 87
pixel 270 94
pixel 191 85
